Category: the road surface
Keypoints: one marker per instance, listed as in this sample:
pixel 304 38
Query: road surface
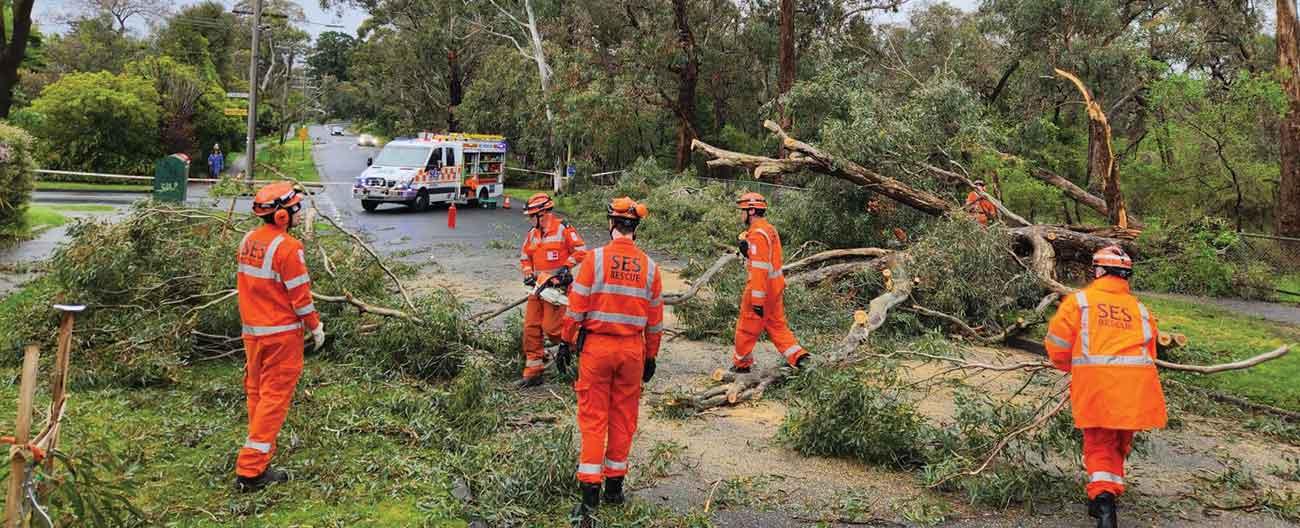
pixel 396 228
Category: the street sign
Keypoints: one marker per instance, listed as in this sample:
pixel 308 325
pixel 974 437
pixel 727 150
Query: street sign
pixel 572 171
pixel 302 134
pixel 237 95
pixel 236 111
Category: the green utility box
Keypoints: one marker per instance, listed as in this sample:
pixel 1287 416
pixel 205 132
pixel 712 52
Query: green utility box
pixel 170 177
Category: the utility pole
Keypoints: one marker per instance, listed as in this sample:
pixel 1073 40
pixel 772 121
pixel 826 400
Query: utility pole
pixel 251 148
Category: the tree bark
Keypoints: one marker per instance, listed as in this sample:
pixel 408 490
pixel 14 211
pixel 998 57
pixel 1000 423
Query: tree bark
pixel 687 78
pixel 785 77
pixel 1288 61
pixel 455 89
pixel 1101 155
pixel 13 51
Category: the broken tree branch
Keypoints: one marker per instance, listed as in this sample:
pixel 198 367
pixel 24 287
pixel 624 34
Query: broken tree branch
pixel 364 307
pixel 1101 154
pixel 405 296
pixel 1222 367
pixel 833 254
pixel 675 298
pixel 996 203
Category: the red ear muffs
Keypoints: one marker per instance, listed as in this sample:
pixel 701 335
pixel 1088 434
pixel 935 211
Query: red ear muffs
pixel 282 218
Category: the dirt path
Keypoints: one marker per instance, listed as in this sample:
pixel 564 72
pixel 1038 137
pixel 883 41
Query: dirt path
pixel 732 460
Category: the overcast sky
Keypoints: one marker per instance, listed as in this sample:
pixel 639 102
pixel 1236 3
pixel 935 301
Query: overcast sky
pixel 51 14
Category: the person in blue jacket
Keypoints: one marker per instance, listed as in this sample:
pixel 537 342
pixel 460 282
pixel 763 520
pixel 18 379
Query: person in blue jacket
pixel 216 161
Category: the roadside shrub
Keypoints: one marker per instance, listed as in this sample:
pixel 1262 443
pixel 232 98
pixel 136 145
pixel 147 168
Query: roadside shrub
pixel 1205 257
pixel 16 167
pixel 98 122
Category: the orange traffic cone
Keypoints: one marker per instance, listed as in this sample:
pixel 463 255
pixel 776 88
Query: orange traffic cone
pixel 507 202
pixel 451 216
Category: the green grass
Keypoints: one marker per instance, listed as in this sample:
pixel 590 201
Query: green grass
pixel 1291 283
pixel 40 218
pixel 91 187
pixel 519 197
pixel 291 158
pixel 1216 335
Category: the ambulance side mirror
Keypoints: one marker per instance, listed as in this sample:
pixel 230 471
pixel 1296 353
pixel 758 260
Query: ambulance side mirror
pixel 370 161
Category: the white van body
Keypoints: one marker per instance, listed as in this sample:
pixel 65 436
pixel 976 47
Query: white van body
pixel 435 169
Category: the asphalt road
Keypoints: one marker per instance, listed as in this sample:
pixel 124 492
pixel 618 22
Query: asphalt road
pixel 394 227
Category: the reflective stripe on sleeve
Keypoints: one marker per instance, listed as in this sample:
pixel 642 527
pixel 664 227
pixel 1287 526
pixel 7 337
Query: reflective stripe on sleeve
pixel 268 330
pixel 1105 476
pixel 608 317
pixel 620 466
pixel 656 329
pixel 589 469
pixel 264 447
pixel 656 302
pixel 305 310
pixel 576 316
pixel 297 281
pixel 580 289
pixel 1125 361
pixel 1056 340
pixel 534 363
pixel 1083 321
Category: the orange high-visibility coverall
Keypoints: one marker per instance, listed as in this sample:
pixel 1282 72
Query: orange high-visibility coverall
pixel 1105 338
pixel 275 306
pixel 617 298
pixel 555 246
pixel 979 206
pixel 765 288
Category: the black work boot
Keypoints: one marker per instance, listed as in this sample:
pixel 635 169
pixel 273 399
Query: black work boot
pixel 613 491
pixel 268 477
pixel 1103 509
pixel 531 381
pixel 803 362
pixel 738 370
pixel 581 516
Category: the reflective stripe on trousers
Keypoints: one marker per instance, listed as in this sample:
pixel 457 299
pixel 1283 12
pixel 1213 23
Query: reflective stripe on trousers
pixel 620 466
pixel 268 330
pixel 589 469
pixel 1105 476
pixel 264 447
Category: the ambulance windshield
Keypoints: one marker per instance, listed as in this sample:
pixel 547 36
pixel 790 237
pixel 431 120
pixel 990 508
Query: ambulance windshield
pixel 403 156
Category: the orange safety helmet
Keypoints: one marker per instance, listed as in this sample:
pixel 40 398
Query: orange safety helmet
pixel 626 207
pixel 1112 257
pixel 538 203
pixel 751 200
pixel 281 199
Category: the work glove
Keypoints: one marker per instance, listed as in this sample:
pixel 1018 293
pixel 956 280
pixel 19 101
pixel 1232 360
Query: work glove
pixel 530 280
pixel 758 310
pixel 563 356
pixel 318 337
pixel 742 246
pixel 649 370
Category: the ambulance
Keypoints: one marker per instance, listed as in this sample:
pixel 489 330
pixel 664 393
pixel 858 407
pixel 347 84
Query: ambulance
pixel 464 169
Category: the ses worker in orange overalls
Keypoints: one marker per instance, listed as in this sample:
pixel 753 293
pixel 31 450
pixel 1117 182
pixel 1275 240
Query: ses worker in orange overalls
pixel 980 207
pixel 275 306
pixel 762 305
pixel 1105 338
pixel 550 248
pixel 615 322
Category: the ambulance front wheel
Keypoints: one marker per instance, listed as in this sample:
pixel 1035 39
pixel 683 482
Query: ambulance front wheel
pixel 421 201
pixel 369 205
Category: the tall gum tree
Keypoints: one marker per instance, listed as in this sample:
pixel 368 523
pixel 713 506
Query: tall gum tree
pixel 1288 62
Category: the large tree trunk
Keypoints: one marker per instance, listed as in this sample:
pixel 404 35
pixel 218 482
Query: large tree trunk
pixel 455 89
pixel 1288 61
pixel 14 49
pixel 687 77
pixel 785 78
pixel 1101 155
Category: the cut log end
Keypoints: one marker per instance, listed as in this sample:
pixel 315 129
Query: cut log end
pixel 718 374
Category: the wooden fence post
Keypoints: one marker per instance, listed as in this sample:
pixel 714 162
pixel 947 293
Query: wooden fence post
pixel 22 433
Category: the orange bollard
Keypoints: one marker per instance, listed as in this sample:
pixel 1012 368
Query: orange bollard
pixel 507 206
pixel 451 216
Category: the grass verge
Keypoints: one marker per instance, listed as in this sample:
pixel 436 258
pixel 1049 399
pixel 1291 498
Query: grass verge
pixel 290 158
pixel 1216 335
pixel 91 187
pixel 1291 284
pixel 520 197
